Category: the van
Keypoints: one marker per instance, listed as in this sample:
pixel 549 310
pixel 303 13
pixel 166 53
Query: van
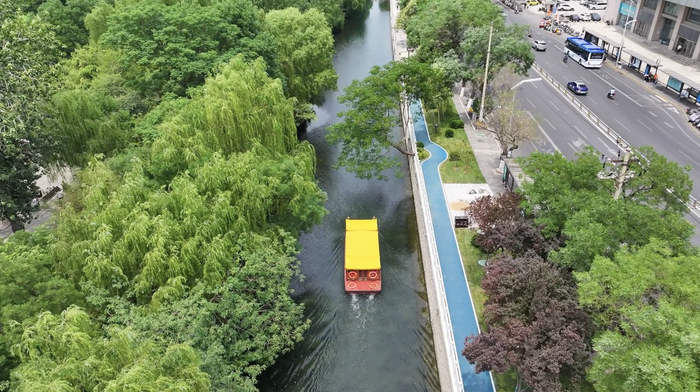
pixel 600 5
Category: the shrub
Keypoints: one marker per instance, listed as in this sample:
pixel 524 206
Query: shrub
pixel 456 123
pixel 420 145
pixel 450 133
pixel 455 155
pixel 423 154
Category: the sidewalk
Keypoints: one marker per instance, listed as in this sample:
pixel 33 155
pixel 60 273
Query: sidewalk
pixel 486 149
pixel 671 64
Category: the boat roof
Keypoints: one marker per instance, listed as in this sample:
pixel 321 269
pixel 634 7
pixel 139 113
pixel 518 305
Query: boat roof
pixel 361 244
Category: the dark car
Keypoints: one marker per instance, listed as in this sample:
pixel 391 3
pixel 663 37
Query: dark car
pixel 577 88
pixel 574 18
pixel 595 17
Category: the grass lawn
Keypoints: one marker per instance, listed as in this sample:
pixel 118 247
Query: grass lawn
pixel 470 257
pixel 466 169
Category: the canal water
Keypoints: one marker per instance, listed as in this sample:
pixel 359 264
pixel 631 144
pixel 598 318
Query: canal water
pixel 359 343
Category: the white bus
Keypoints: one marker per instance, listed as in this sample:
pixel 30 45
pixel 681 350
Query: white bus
pixel 584 52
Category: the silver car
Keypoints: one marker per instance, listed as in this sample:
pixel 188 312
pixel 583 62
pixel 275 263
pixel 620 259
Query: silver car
pixel 539 45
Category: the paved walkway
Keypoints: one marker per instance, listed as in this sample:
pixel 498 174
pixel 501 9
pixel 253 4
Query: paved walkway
pixel 459 301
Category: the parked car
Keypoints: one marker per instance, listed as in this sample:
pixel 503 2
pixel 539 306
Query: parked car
pixel 585 16
pixel 595 17
pixel 583 2
pixel 574 18
pixel 539 45
pixel 533 2
pixel 578 88
pixel 565 7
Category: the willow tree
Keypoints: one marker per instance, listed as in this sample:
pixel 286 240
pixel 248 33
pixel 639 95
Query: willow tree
pixel 235 109
pixel 68 352
pixel 305 52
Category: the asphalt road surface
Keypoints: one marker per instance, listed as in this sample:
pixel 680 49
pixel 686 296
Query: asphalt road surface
pixel 640 113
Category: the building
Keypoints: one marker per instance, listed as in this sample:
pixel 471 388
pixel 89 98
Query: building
pixel 675 24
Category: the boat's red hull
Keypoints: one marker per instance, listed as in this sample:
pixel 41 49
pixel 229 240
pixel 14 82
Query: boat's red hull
pixel 363 285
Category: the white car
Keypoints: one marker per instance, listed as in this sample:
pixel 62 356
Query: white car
pixel 565 7
pixel 585 16
pixel 539 45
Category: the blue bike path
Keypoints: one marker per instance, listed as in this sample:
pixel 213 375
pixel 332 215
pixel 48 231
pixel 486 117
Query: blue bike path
pixel 459 300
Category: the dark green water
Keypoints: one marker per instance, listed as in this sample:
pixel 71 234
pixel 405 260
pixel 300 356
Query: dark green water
pixel 359 343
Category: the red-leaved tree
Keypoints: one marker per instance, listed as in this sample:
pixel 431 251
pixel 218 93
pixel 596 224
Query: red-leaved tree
pixel 535 325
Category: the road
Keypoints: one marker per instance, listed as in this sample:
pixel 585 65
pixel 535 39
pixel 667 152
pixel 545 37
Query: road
pixel 641 114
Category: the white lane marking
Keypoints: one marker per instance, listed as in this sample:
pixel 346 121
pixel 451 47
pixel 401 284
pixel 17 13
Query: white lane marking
pixel 559 48
pixel 661 98
pixel 647 127
pixel 618 91
pixel 533 105
pixel 572 147
pixel 549 139
pixel 693 160
pixel 652 113
pixel 656 98
pixel 593 100
pixel 550 124
pixel 674 110
pixel 580 133
pixel 610 149
pixel 623 125
pixel 547 62
pixel 668 125
pixel 555 106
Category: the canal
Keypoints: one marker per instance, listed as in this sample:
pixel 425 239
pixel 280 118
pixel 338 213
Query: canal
pixel 359 343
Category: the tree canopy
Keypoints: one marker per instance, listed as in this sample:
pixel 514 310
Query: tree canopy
pixel 68 352
pixel 368 131
pixel 644 304
pixel 304 51
pixel 30 52
pixel 574 204
pixel 170 48
pixel 534 325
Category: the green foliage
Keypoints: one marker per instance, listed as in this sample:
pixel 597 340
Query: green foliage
pixel 420 145
pixel 29 285
pixel 508 47
pixel 89 122
pixel 29 53
pixel 645 302
pixel 68 352
pixel 238 107
pixel 366 132
pixel 456 123
pixel 304 51
pixel 170 48
pixel 423 154
pixel 576 206
pixel 437 26
pixel 67 19
pixel 449 133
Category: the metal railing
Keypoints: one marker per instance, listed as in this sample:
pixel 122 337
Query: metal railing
pixel 693 205
pixel 434 261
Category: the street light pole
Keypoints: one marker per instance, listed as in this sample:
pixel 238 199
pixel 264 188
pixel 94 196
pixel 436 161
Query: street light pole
pixel 624 29
pixel 486 74
pixel 512 112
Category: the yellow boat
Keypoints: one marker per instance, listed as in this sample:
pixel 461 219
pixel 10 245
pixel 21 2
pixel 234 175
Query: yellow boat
pixel 363 270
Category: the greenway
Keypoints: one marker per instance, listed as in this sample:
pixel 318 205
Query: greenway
pixel 199 245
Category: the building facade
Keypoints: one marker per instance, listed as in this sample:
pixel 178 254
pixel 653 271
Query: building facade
pixel 675 24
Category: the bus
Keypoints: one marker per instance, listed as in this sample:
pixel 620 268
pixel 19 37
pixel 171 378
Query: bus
pixel 584 52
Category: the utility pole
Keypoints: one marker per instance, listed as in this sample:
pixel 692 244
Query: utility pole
pixel 621 178
pixel 486 75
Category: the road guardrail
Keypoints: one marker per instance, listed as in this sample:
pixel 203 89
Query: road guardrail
pixel 693 205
